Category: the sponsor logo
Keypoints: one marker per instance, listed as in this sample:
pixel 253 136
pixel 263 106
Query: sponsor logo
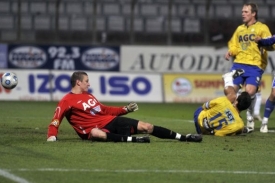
pixel 229 115
pixel 40 83
pixel 55 122
pixel 90 103
pixel 210 83
pixel 181 86
pixel 95 110
pixel 100 58
pixel 123 85
pixel 27 57
pixel 247 37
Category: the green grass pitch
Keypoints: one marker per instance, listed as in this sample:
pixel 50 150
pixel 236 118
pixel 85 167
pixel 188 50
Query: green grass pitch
pixel 26 157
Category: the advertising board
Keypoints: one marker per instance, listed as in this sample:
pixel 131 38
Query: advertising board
pixel 200 88
pixel 106 86
pixel 59 57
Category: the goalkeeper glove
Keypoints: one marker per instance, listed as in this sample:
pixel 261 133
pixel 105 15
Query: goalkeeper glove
pixel 131 107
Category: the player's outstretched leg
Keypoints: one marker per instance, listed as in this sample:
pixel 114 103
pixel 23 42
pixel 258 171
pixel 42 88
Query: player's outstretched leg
pixel 165 133
pixel 193 138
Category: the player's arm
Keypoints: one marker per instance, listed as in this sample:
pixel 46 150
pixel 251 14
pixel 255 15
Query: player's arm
pixel 59 113
pixel 118 111
pixel 209 104
pixel 230 93
pixel 266 42
pixel 232 46
pixel 229 89
pixel 267 39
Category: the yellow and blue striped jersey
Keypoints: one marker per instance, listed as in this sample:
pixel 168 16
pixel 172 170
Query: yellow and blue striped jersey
pixel 220 117
pixel 243 47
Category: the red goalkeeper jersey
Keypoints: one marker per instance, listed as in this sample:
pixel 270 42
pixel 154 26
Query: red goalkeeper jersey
pixel 84 112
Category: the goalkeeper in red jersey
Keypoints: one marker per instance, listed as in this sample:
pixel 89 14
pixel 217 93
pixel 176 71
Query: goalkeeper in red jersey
pixel 94 121
pixel 248 55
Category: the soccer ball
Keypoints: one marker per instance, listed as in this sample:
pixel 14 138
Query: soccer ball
pixel 9 80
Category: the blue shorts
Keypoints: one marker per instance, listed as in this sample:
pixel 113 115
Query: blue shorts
pixel 252 74
pixel 196 115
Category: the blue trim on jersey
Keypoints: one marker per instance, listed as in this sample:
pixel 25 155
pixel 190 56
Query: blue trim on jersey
pixel 267 41
pixel 252 74
pixel 196 115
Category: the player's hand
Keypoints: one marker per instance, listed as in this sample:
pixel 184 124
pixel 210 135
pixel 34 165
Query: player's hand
pixel 227 55
pixel 257 39
pixel 131 107
pixel 51 139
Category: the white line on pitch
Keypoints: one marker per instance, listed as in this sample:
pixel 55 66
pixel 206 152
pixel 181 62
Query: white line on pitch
pixel 147 171
pixel 12 177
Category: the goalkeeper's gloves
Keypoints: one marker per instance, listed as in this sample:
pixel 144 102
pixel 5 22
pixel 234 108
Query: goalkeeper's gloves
pixel 51 139
pixel 131 107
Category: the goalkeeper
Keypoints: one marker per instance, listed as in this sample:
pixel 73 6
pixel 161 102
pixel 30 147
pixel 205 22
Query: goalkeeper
pixel 97 122
pixel 221 116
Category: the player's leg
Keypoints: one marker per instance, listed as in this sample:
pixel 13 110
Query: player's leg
pixel 97 134
pixel 165 133
pixel 253 81
pixel 269 107
pixel 120 129
pixel 251 89
pixel 115 134
pixel 257 106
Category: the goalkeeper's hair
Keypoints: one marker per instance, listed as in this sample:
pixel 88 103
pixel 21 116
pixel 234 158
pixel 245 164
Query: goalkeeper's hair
pixel 244 101
pixel 78 75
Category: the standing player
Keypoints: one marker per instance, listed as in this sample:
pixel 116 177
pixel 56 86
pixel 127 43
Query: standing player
pixel 257 106
pixel 94 121
pixel 247 55
pixel 221 116
pixel 270 102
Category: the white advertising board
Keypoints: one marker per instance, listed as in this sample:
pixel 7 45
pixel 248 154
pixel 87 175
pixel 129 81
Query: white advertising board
pixel 180 59
pixel 106 86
